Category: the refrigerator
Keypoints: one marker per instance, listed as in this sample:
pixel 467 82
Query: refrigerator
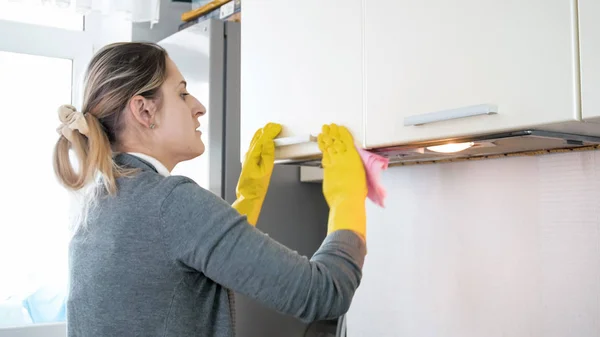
pixel 294 213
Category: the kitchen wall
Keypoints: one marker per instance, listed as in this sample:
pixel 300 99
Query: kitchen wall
pixel 506 247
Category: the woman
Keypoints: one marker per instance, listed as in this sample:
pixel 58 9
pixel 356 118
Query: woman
pixel 157 255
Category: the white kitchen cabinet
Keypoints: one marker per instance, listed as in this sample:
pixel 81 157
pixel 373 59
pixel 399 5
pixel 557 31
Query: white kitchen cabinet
pixel 301 67
pixel 589 37
pixel 471 57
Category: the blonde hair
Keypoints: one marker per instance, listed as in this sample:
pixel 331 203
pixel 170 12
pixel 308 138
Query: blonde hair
pixel 117 73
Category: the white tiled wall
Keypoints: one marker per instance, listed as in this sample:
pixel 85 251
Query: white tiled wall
pixel 506 247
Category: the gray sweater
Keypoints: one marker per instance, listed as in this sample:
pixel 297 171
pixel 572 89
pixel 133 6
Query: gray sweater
pixel 160 258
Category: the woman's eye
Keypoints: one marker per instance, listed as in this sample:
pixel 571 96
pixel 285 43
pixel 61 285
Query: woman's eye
pixel 184 94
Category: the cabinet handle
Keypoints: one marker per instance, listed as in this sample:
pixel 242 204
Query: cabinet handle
pixel 438 116
pixel 287 141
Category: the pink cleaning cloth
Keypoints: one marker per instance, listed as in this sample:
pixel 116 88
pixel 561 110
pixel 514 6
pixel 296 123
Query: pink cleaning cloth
pixel 374 164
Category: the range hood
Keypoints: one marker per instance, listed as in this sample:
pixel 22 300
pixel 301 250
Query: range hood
pixel 525 142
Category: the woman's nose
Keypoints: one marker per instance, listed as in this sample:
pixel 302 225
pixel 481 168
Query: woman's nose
pixel 199 109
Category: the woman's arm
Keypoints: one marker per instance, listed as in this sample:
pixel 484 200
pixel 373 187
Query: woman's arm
pixel 201 231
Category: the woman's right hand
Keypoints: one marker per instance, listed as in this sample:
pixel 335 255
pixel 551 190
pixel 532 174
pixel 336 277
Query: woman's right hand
pixel 256 173
pixel 344 180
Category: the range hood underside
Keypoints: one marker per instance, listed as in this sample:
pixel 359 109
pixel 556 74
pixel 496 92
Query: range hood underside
pixel 526 142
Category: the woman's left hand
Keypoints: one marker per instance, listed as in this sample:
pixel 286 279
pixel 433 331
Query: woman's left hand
pixel 256 172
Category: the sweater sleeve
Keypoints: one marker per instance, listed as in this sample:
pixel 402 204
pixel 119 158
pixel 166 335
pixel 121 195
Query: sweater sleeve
pixel 204 233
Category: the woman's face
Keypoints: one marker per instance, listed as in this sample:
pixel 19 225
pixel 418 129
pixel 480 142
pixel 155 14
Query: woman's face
pixel 177 121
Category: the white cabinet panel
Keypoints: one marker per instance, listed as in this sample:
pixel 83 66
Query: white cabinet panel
pixel 465 58
pixel 301 67
pixel 589 37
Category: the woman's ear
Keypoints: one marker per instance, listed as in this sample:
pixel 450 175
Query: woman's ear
pixel 143 111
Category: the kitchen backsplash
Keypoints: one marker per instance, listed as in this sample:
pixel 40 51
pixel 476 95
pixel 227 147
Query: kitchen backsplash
pixel 505 247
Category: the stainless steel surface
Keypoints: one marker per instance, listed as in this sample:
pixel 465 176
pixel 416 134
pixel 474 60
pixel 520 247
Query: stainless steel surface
pixel 231 122
pixel 341 327
pixel 216 70
pixel 438 116
pixel 485 145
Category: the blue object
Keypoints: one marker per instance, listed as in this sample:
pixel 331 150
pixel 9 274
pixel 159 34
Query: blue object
pixel 47 305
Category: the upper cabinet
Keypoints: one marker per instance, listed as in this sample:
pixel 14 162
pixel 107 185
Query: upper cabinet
pixel 438 68
pixel 589 38
pixel 301 67
pixel 403 71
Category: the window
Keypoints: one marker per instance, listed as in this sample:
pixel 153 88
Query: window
pixel 34 228
pixel 43 55
pixel 42 62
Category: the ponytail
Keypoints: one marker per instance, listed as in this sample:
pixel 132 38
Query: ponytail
pixel 99 155
pixel 91 147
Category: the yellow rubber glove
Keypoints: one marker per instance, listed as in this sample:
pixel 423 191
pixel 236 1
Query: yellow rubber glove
pixel 344 180
pixel 256 172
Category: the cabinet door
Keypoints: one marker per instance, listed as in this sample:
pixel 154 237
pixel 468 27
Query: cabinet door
pixel 301 67
pixel 589 37
pixel 429 62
